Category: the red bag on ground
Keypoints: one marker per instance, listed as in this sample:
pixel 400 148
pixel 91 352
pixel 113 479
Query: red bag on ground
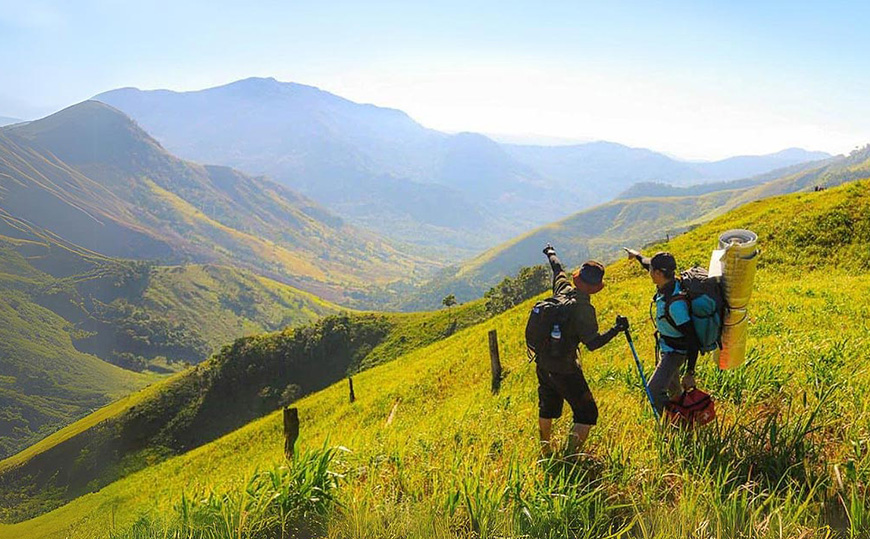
pixel 692 407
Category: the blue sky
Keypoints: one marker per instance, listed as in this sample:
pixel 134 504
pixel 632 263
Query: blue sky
pixel 694 79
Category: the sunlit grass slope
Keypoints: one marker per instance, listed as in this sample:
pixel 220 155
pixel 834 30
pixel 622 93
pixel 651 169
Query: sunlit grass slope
pixel 245 380
pixel 434 454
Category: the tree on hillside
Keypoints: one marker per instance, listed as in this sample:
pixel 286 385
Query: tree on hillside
pixel 449 301
pixel 529 282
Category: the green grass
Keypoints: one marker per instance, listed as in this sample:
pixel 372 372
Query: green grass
pixel 245 380
pixel 434 454
pixel 284 501
pixel 233 302
pixel 103 414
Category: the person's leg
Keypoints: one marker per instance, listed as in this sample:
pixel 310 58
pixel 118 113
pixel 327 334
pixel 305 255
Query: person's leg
pixel 578 436
pixel 674 387
pixel 549 408
pixel 666 371
pixel 545 430
pixel 574 388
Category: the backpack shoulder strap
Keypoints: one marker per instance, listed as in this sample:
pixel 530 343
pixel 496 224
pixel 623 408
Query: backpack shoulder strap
pixel 679 296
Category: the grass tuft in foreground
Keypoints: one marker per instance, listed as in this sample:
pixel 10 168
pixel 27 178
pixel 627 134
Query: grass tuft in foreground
pixel 287 501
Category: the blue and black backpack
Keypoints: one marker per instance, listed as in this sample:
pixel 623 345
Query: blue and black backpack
pixel 706 304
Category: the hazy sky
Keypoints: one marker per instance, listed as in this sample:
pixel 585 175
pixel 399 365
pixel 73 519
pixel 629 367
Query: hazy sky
pixel 696 79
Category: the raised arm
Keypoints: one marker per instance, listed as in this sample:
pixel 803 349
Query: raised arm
pixel 561 282
pixel 555 263
pixel 632 254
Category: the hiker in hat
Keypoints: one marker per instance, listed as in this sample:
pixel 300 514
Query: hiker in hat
pixel 676 340
pixel 561 378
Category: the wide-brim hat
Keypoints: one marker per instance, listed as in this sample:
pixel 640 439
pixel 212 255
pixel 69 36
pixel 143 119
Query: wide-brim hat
pixel 591 273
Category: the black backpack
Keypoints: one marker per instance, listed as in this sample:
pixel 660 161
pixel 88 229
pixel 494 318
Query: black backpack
pixel 546 314
pixel 706 303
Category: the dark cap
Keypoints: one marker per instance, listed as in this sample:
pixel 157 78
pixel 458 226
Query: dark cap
pixel 591 272
pixel 662 261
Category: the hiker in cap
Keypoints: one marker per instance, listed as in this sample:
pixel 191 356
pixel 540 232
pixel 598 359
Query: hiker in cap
pixel 676 340
pixel 560 377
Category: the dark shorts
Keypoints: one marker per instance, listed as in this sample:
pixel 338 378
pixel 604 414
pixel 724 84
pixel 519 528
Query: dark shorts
pixel 556 387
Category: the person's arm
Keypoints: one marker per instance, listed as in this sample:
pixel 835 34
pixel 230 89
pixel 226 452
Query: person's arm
pixel 681 319
pixel 692 349
pixel 555 263
pixel 637 256
pixel 601 339
pixel 692 345
pixel 560 278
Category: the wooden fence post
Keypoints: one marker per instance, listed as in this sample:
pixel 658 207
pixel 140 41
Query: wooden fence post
pixel 495 362
pixel 350 385
pixel 291 431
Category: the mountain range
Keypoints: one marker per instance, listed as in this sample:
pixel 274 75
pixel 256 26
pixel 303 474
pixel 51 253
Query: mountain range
pixel 451 195
pixel 91 175
pixel 645 213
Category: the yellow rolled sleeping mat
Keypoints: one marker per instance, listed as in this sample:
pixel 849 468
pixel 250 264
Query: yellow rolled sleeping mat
pixel 735 260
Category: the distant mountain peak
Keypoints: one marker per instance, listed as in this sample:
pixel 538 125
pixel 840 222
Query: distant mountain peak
pixel 801 153
pixel 256 84
pixel 83 115
pixel 251 88
pixel 90 131
pixel 260 80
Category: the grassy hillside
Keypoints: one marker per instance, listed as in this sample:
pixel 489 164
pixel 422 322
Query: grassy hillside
pixel 660 189
pixel 245 380
pixel 183 314
pixel 602 231
pixel 834 172
pixel 68 312
pixel 599 232
pixel 45 381
pixel 91 175
pixel 433 454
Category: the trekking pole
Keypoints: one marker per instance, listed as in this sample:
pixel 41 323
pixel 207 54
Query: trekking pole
pixel 640 370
